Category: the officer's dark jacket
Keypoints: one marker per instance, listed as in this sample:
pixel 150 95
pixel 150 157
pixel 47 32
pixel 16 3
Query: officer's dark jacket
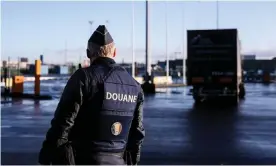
pixel 88 111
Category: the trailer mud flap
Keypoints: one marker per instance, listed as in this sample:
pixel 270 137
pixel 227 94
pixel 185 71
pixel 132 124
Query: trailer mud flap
pixel 225 80
pixel 197 79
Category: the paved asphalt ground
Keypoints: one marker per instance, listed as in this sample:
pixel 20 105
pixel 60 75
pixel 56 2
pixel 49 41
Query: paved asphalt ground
pixel 177 131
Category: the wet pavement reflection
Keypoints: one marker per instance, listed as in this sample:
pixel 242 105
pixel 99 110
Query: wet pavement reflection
pixel 177 131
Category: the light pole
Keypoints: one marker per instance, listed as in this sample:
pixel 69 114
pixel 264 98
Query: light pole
pixel 183 44
pixel 133 40
pixel 107 23
pixel 148 66
pixel 18 65
pixel 148 69
pixel 65 53
pixel 80 57
pixel 197 16
pixel 217 5
pixel 90 23
pixel 167 54
pixel 9 71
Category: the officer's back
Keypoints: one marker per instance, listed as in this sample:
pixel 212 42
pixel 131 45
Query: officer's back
pixel 106 118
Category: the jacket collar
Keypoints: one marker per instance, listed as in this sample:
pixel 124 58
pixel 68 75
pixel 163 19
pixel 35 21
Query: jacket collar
pixel 103 61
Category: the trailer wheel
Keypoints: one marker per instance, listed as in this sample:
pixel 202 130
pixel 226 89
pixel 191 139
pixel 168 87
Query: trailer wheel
pixel 196 95
pixel 242 91
pixel 234 100
pixel 197 99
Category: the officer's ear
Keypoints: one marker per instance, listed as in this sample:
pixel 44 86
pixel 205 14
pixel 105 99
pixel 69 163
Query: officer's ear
pixel 87 53
pixel 114 52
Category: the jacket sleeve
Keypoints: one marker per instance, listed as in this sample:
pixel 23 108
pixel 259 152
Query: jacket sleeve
pixel 137 132
pixel 65 114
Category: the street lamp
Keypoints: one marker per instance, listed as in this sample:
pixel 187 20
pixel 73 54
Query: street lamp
pixel 91 23
pixel 133 41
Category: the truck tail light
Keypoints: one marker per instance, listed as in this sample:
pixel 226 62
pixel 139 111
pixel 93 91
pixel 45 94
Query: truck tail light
pixel 225 80
pixel 197 79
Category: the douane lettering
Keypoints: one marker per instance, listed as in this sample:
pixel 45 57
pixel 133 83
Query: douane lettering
pixel 108 95
pixel 114 96
pixel 130 97
pixel 135 99
pixel 125 98
pixel 120 97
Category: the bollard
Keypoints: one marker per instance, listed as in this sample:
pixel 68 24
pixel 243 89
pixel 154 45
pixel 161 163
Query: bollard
pixel 5 80
pixel 17 84
pixel 8 82
pixel 8 85
pixel 37 77
pixel 5 74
